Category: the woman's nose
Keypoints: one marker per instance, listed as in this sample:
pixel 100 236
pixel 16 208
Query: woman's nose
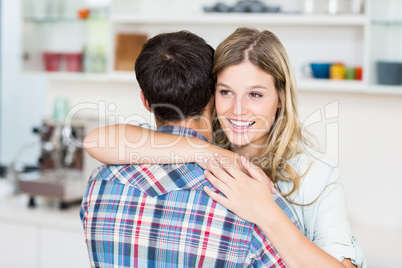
pixel 238 107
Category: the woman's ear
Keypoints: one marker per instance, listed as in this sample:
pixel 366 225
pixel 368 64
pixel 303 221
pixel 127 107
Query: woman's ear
pixel 145 102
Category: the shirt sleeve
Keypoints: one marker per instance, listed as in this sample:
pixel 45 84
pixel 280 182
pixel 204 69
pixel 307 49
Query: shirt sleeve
pixel 326 220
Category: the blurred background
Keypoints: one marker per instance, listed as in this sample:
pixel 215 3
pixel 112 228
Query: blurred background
pixel 67 67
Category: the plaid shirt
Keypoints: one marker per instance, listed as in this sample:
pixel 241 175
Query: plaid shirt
pixel 159 216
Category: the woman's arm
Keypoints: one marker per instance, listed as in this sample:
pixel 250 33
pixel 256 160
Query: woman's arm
pixel 250 199
pixel 129 144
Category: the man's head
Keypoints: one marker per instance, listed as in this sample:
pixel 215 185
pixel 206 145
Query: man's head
pixel 174 71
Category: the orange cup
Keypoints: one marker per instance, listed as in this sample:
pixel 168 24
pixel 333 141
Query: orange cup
pixel 359 73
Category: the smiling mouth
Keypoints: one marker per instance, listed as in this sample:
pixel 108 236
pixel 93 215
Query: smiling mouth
pixel 240 126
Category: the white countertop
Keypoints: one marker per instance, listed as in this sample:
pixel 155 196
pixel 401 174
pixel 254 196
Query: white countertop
pixel 46 214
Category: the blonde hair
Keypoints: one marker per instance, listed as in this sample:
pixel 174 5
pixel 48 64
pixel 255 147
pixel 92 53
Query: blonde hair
pixel 284 140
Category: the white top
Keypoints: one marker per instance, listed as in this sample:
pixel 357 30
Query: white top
pixel 325 221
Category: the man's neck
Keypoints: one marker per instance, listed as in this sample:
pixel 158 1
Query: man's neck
pixel 200 126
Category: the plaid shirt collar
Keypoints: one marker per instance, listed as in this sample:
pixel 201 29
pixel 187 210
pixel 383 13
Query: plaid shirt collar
pixel 157 180
pixel 182 131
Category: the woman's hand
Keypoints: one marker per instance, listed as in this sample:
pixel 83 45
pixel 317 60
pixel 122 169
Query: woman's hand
pixel 249 196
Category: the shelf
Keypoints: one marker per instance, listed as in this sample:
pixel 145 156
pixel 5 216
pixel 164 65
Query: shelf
pixel 346 86
pixel 387 22
pixel 304 84
pixel 327 85
pixel 385 90
pixel 118 77
pixel 64 19
pixel 244 19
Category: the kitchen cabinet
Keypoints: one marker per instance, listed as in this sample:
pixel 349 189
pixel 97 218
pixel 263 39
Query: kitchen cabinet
pixel 44 237
pixel 306 38
pixel 63 248
pixel 64 36
pixel 18 245
pixel 385 38
pixel 41 247
pixel 351 39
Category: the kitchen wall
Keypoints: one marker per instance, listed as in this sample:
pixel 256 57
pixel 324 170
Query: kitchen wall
pixel 23 97
pixel 365 135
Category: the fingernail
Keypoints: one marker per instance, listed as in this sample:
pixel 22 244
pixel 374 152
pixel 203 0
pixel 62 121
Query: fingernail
pixel 243 160
pixel 205 172
pixel 216 154
pixel 205 160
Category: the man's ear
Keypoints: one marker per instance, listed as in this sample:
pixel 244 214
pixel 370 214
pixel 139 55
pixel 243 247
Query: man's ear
pixel 211 103
pixel 145 102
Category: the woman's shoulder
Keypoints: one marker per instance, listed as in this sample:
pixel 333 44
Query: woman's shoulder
pixel 317 168
pixel 317 173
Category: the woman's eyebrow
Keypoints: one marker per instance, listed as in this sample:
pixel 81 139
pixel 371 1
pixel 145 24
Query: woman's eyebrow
pixel 253 87
pixel 220 84
pixel 258 87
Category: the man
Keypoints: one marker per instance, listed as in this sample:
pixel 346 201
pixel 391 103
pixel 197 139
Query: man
pixel 159 215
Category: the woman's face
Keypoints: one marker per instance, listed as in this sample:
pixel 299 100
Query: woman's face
pixel 246 103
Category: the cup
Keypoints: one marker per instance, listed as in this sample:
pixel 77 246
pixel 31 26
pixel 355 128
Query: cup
pixel 389 73
pixel 337 71
pixel 52 61
pixel 39 9
pixel 292 6
pixel 60 109
pixel 337 6
pixel 317 70
pixel 73 62
pixel 55 8
pixel 350 73
pixel 358 73
pixel 356 6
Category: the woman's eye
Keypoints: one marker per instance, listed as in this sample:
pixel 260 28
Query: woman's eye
pixel 225 92
pixel 255 95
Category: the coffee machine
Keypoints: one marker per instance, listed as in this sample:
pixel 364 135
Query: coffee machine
pixel 61 173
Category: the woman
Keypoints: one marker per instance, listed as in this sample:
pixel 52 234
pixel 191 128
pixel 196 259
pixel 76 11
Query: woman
pixel 256 109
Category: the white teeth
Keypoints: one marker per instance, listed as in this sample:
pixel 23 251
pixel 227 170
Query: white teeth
pixel 241 123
